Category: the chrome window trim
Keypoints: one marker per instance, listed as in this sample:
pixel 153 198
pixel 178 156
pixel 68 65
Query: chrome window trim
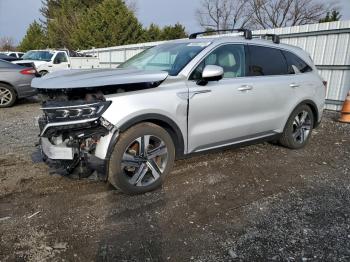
pixel 187 72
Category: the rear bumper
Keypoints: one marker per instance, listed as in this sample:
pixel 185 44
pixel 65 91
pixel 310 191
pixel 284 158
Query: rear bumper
pixel 25 91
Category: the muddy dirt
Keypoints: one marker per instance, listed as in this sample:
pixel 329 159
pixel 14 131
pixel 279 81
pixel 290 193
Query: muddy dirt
pixel 257 203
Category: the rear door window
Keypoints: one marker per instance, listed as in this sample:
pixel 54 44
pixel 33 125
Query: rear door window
pixel 265 61
pixel 294 60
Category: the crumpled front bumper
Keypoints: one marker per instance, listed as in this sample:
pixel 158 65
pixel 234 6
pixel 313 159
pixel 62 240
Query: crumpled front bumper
pixel 71 156
pixel 56 152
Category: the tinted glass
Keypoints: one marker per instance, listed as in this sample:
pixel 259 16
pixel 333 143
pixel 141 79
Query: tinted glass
pixel 230 57
pixel 266 61
pixel 297 62
pixel 61 57
pixel 13 55
pixel 167 57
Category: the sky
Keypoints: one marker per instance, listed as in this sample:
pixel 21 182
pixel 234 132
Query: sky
pixel 16 15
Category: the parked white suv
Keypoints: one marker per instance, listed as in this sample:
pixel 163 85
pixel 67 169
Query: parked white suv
pixel 185 96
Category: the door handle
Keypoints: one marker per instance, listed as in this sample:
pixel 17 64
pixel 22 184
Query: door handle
pixel 245 88
pixel 294 85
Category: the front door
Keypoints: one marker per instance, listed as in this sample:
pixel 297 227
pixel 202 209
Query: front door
pixel 219 112
pixel 60 61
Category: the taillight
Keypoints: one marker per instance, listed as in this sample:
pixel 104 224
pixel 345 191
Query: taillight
pixel 28 71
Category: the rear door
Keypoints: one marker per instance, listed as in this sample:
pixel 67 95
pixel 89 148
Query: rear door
pixel 273 87
pixel 304 82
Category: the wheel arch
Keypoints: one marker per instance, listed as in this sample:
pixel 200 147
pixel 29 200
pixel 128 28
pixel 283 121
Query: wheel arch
pixel 10 85
pixel 43 70
pixel 313 108
pixel 165 122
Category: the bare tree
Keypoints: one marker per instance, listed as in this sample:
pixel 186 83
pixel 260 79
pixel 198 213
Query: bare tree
pixel 281 13
pixel 7 44
pixel 222 14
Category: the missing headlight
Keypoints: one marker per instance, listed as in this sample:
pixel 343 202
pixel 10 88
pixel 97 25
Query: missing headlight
pixel 71 112
pixel 105 123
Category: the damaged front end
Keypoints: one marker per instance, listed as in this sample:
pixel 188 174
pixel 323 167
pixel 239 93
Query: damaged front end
pixel 74 137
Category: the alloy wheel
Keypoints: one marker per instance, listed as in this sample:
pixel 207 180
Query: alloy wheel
pixel 5 96
pixel 145 160
pixel 301 127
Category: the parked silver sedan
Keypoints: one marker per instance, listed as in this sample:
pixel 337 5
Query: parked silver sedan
pixel 15 83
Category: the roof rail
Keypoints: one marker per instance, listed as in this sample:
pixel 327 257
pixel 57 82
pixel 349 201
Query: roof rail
pixel 246 33
pixel 275 38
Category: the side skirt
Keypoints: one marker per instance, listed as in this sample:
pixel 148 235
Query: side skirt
pixel 236 144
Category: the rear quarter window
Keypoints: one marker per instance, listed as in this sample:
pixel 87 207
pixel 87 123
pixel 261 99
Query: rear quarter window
pixel 294 60
pixel 265 61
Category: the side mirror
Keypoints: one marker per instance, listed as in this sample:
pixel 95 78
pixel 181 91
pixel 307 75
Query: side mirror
pixel 212 73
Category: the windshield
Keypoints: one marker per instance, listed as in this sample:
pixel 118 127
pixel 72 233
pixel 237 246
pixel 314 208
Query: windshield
pixel 171 58
pixel 38 55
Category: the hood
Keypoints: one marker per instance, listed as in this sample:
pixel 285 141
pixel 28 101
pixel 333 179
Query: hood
pixel 80 78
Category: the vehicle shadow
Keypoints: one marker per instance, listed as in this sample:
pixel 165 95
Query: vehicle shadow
pixel 132 231
pixel 27 101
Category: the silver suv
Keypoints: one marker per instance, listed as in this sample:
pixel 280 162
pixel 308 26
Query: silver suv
pixel 128 125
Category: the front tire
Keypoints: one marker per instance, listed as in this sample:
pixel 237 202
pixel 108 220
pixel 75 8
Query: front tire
pixel 42 73
pixel 143 156
pixel 7 96
pixel 298 129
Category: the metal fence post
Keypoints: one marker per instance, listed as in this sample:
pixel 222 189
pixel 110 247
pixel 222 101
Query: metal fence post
pixel 110 58
pixel 124 54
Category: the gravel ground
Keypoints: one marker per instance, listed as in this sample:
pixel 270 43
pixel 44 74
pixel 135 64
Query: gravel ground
pixel 257 203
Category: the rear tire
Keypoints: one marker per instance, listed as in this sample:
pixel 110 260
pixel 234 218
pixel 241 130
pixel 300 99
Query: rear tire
pixel 298 129
pixel 143 156
pixel 7 96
